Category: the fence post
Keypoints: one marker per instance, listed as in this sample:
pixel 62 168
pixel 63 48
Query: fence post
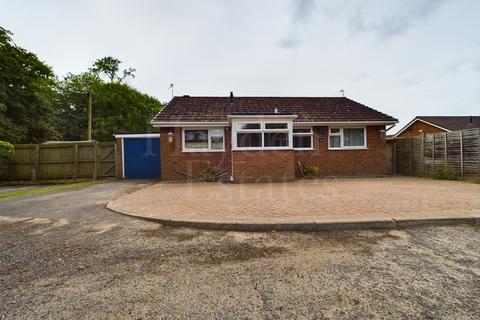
pixel 35 162
pixel 394 158
pixel 461 153
pixel 95 160
pixel 422 153
pixel 411 156
pixel 445 147
pixel 433 152
pixel 75 161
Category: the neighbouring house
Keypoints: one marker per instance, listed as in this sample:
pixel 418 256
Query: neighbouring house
pixel 434 124
pixel 259 139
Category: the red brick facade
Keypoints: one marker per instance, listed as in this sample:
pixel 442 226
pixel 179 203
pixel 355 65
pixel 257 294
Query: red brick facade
pixel 173 160
pixel 370 161
pixel 263 166
pixel 266 166
pixel 416 128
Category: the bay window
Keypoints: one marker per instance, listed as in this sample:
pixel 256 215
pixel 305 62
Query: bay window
pixel 201 140
pixel 347 138
pixel 302 138
pixel 262 135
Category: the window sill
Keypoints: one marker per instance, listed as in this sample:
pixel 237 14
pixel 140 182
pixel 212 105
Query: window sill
pixel 347 149
pixel 262 149
pixel 303 149
pixel 201 151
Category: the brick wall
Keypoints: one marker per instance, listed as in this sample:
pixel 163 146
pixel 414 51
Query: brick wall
pixel 173 160
pixel 414 129
pixel 263 166
pixel 371 161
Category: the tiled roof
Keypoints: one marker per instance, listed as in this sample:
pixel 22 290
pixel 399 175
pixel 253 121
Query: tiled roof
pixel 453 123
pixel 308 109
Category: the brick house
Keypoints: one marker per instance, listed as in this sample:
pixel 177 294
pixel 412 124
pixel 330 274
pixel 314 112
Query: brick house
pixel 434 124
pixel 262 139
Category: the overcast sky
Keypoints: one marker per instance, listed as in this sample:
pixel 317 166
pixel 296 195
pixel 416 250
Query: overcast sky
pixel 405 58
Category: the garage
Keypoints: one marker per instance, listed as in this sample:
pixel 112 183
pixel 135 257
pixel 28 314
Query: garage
pixel 140 155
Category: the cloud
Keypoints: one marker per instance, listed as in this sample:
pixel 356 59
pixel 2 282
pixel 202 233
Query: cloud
pixel 301 14
pixel 396 18
pixel 302 10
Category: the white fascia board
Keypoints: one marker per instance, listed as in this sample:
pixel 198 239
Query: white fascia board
pixel 266 116
pixel 418 119
pixel 137 135
pixel 344 123
pixel 199 124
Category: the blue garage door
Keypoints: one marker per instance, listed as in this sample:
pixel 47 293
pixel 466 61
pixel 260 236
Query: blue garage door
pixel 142 158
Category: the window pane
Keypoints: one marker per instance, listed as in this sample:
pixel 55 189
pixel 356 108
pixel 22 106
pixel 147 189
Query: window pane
pixel 334 141
pixel 248 126
pixel 276 126
pixel 334 130
pixel 276 139
pixel 216 139
pixel 245 140
pixel 302 141
pixel 353 137
pixel 302 130
pixel 196 139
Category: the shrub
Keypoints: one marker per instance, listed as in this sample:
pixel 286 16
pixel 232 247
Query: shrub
pixel 6 153
pixel 445 173
pixel 311 170
pixel 208 175
pixel 476 179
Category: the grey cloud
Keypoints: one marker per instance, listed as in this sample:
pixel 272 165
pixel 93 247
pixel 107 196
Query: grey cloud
pixel 301 13
pixel 302 10
pixel 405 15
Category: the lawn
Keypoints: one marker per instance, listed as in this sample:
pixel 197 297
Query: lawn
pixel 42 189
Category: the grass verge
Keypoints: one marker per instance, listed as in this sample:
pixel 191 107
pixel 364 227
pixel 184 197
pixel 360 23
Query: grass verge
pixel 28 192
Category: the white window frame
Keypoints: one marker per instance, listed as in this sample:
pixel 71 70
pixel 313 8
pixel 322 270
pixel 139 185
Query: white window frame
pixel 304 134
pixel 209 149
pixel 262 130
pixel 340 134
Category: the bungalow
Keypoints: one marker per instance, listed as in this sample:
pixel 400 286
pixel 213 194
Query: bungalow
pixel 434 124
pixel 260 139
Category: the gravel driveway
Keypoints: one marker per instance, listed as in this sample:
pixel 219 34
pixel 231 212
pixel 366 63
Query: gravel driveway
pixel 62 255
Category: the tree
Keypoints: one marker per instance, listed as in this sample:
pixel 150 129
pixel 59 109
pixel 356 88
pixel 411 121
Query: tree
pixel 26 92
pixel 116 108
pixel 110 67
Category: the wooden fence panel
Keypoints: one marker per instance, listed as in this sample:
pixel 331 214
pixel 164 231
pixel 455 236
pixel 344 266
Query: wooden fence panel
pixel 63 161
pixel 422 154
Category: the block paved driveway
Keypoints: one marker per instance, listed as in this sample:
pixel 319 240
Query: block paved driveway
pixel 306 200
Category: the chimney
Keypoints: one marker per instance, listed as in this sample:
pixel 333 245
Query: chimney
pixel 231 97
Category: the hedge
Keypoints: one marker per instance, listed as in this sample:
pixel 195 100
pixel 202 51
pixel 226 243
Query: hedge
pixel 6 153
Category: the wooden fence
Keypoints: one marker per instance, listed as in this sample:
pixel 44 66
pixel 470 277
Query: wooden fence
pixel 422 154
pixel 63 161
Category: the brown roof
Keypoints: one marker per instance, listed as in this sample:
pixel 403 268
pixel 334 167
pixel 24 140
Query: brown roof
pixel 453 123
pixel 308 109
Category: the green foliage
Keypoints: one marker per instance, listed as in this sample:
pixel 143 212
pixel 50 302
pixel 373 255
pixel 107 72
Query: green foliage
pixel 26 94
pixel 57 187
pixel 208 175
pixel 6 153
pixel 311 170
pixel 445 173
pixel 116 107
pixel 110 67
pixel 476 179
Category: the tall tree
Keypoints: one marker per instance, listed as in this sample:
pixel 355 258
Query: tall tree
pixel 117 107
pixel 26 91
pixel 110 67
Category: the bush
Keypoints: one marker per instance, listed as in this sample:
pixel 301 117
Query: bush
pixel 208 175
pixel 445 173
pixel 311 170
pixel 6 153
